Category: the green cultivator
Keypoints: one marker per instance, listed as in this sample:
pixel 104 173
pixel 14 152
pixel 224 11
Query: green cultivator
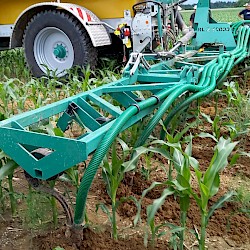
pixel 195 65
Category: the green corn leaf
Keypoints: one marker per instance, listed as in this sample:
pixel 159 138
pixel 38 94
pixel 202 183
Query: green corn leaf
pixel 234 159
pixel 194 163
pixel 114 156
pixel 160 151
pixel 161 233
pixel 188 149
pixel 107 166
pixel 207 135
pixel 9 89
pixel 169 144
pixel 179 135
pixel 58 132
pixel 174 228
pixel 107 180
pixel 219 203
pixel 204 197
pixel 130 165
pixel 178 159
pixel 7 169
pixel 186 168
pixel 178 186
pixel 245 154
pixel 184 203
pixel 170 138
pixel 183 181
pixel 215 187
pixel 204 189
pixel 158 203
pixel 105 209
pixel 144 193
pixel 208 118
pixel 198 174
pixel 124 146
pixel 153 185
pixel 218 162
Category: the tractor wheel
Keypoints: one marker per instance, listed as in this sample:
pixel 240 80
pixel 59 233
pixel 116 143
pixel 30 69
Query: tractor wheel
pixel 54 42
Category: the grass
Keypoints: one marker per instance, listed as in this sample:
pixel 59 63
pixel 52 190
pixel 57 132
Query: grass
pixel 219 15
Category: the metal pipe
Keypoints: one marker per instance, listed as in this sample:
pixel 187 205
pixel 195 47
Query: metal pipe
pixel 184 40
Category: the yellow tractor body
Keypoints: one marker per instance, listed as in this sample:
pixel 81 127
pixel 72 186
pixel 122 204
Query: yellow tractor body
pixel 104 9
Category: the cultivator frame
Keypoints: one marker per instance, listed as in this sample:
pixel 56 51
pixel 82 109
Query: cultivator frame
pixel 193 69
pixel 18 141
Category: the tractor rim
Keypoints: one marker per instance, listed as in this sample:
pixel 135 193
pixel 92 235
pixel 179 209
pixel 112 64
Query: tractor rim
pixel 53 51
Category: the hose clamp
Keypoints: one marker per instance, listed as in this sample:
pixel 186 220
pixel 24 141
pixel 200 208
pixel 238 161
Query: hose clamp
pixel 137 106
pixel 157 98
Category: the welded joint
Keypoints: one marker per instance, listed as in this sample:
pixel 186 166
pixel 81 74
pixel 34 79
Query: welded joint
pixel 71 109
pixel 135 60
pixel 136 64
pixel 190 74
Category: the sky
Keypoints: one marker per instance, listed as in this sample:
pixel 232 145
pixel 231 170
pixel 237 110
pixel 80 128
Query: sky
pixel 195 1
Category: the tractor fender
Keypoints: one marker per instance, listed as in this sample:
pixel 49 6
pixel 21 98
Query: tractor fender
pixel 97 32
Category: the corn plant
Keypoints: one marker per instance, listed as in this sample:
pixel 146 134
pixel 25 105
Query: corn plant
pixel 151 211
pixel 208 184
pixel 237 118
pixel 53 204
pixel 181 163
pixel 72 175
pixel 12 64
pixel 7 168
pixel 173 139
pixel 216 133
pixel 242 196
pixel 113 173
pixel 148 168
pixel 232 92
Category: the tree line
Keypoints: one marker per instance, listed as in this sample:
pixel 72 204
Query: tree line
pixel 219 4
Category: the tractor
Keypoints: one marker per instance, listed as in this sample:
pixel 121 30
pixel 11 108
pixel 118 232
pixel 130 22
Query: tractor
pixel 56 35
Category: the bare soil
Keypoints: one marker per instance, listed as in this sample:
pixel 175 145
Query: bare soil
pixel 228 228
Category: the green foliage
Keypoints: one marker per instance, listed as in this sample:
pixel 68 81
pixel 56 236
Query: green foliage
pixel 151 211
pixel 113 171
pixel 12 65
pixel 241 3
pixel 71 175
pixel 7 168
pixel 219 15
pixel 37 212
pixel 242 197
pixel 237 114
pixel 181 186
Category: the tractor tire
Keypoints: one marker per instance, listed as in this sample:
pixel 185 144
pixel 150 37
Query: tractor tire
pixel 54 42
